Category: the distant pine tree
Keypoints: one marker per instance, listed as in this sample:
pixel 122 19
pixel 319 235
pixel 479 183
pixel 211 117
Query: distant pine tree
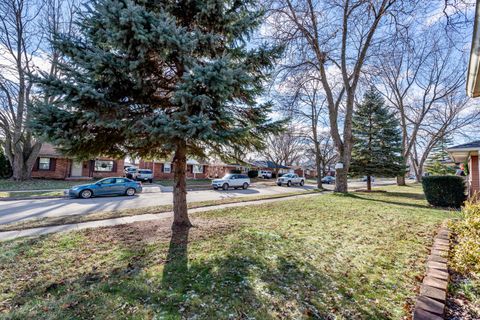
pixel 437 162
pixel 154 79
pixel 377 139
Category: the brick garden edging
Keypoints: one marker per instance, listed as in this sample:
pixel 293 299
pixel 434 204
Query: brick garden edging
pixel 431 302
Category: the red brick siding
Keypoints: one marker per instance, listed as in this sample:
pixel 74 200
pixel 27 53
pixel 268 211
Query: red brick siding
pixel 159 174
pixel 62 169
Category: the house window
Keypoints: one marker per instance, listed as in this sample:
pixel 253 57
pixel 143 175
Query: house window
pixel 44 164
pixel 167 168
pixel 104 165
pixel 197 168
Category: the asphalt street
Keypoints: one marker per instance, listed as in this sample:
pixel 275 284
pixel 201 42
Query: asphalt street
pixel 18 210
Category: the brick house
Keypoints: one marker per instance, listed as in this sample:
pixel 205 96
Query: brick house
pixel 51 164
pixel 219 169
pixel 163 170
pixel 468 153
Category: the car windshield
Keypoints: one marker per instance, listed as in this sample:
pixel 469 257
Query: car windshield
pixel 287 175
pixel 228 176
pixel 144 171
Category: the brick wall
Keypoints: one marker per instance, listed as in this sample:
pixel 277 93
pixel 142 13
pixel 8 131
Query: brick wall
pixel 60 170
pixel 159 174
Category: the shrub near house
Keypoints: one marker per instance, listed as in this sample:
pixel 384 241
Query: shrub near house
pixel 444 191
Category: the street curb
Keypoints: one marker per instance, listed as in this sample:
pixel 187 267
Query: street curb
pixel 430 304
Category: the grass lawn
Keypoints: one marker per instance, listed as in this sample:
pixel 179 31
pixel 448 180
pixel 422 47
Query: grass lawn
pixel 357 256
pixel 37 184
pixel 30 194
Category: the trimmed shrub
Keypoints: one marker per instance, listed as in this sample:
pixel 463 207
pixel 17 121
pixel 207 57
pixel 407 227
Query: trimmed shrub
pixel 466 253
pixel 252 174
pixel 235 171
pixel 444 191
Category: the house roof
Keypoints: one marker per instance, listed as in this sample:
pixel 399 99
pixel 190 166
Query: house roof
pixel 461 152
pixel 475 145
pixel 48 150
pixel 267 164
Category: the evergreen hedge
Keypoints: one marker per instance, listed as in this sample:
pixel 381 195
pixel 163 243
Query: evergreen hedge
pixel 444 191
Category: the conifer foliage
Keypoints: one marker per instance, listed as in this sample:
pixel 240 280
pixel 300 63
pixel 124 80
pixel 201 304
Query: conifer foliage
pixel 437 162
pixel 377 139
pixel 160 78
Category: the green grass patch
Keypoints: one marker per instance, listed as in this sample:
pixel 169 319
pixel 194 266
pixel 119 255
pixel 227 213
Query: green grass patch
pixel 37 184
pixel 30 194
pixel 356 256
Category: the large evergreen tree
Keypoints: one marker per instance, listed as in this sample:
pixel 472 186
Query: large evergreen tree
pixel 436 163
pixel 160 78
pixel 377 139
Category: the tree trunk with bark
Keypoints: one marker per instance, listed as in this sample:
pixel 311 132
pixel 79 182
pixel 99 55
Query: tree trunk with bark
pixel 180 212
pixel 369 183
pixel 318 160
pixel 341 183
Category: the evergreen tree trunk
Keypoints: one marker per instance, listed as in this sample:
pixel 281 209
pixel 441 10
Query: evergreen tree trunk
pixel 180 212
pixel 369 183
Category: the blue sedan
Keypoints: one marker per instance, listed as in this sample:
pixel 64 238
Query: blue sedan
pixel 106 187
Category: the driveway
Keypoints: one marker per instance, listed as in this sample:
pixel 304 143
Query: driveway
pixel 14 211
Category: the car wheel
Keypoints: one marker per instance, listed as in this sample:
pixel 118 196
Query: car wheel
pixel 302 183
pixel 215 188
pixel 130 192
pixel 289 183
pixel 85 194
pixel 279 184
pixel 225 186
pixel 151 180
pixel 245 185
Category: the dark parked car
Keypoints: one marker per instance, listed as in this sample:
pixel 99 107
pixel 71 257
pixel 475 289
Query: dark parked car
pixel 328 179
pixel 106 187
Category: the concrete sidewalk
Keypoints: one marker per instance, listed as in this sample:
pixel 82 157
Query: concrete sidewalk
pixel 8 235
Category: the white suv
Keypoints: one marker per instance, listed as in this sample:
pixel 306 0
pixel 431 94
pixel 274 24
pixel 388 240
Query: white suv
pixel 231 181
pixel 289 179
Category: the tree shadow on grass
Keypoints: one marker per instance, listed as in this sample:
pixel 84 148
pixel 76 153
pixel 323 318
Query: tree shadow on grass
pixel 394 194
pixel 240 283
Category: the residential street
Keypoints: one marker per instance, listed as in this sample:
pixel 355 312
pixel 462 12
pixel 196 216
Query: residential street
pixel 14 211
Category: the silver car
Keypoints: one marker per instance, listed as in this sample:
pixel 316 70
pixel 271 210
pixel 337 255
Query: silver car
pixel 231 181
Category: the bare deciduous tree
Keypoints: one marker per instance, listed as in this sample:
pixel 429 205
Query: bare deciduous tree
pixel 25 29
pixel 419 77
pixel 449 116
pixel 305 102
pixel 286 148
pixel 333 39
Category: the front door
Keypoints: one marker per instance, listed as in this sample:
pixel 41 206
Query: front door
pixel 76 169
